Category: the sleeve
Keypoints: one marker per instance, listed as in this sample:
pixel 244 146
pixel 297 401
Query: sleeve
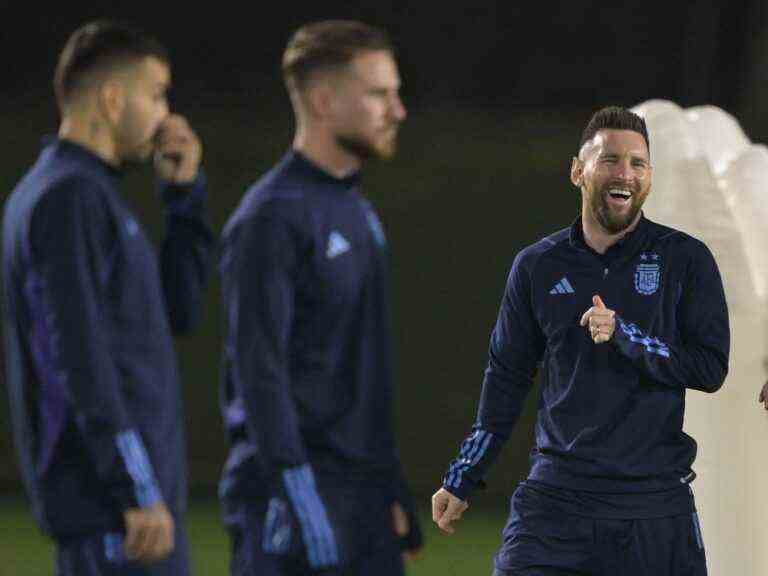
pixel 185 255
pixel 72 243
pixel 263 260
pixel 698 357
pixel 516 348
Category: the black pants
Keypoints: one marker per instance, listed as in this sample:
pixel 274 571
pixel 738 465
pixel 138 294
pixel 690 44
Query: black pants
pixel 360 516
pixel 102 555
pixel 540 540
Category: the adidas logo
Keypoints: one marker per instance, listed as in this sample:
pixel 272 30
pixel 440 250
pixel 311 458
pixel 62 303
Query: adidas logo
pixel 337 245
pixel 563 287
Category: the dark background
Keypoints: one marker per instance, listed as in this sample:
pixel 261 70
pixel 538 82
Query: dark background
pixel 497 96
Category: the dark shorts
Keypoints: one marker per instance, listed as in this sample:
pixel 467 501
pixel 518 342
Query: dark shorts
pixel 541 539
pixel 361 520
pixel 102 555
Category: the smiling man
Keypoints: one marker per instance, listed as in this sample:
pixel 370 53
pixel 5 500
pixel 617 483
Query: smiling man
pixel 313 480
pixel 620 316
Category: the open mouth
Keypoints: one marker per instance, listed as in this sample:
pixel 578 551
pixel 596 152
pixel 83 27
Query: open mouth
pixel 620 195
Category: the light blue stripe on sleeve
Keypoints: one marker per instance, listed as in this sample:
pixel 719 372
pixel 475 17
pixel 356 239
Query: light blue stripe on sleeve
pixel 652 345
pixel 468 447
pixel 473 451
pixel 318 515
pixel 315 526
pixel 311 540
pixel 134 455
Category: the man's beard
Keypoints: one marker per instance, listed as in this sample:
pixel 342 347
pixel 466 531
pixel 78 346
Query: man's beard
pixel 138 155
pixel 611 222
pixel 137 149
pixel 136 159
pixel 364 149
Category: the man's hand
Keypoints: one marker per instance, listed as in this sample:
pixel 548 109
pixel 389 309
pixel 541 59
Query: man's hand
pixel 764 395
pixel 600 321
pixel 402 527
pixel 148 533
pixel 447 508
pixel 178 151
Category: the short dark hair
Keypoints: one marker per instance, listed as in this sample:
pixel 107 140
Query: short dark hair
pixel 98 46
pixel 614 118
pixel 328 45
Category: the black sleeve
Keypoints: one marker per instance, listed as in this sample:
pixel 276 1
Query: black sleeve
pixel 698 357
pixel 72 240
pixel 185 256
pixel 262 265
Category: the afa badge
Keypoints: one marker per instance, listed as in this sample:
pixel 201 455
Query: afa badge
pixel 648 275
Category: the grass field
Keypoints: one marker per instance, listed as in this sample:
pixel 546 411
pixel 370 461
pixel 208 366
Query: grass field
pixel 25 552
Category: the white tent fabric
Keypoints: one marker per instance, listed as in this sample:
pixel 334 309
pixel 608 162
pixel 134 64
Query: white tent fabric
pixel 710 181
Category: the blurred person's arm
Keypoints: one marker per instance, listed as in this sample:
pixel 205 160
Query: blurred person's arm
pixel 185 255
pixel 263 261
pixel 405 519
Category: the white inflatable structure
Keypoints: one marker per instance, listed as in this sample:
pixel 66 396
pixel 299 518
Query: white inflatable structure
pixel 709 180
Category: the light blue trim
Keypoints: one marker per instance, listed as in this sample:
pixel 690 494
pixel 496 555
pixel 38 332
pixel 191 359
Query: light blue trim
pixel 472 451
pixel 307 530
pixel 277 528
pixel 113 547
pixel 134 455
pixel 652 345
pixel 313 518
pixel 375 225
pixel 467 447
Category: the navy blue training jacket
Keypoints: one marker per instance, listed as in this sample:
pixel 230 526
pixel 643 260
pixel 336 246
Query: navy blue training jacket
pixel 308 358
pixel 94 390
pixel 610 415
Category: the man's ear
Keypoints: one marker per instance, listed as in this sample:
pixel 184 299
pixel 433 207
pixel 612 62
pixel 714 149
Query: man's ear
pixel 111 100
pixel 577 172
pixel 320 98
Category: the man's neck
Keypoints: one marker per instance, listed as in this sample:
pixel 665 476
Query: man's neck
pixel 597 237
pixel 322 150
pixel 91 135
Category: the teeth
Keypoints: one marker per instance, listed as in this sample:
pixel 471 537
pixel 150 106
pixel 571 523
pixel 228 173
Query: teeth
pixel 619 192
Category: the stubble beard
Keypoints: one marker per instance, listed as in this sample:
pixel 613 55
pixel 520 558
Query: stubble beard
pixel 611 222
pixel 366 150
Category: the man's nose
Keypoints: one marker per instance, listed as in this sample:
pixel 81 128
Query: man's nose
pixel 624 170
pixel 397 109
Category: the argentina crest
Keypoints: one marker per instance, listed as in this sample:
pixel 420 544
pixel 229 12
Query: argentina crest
pixel 648 274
